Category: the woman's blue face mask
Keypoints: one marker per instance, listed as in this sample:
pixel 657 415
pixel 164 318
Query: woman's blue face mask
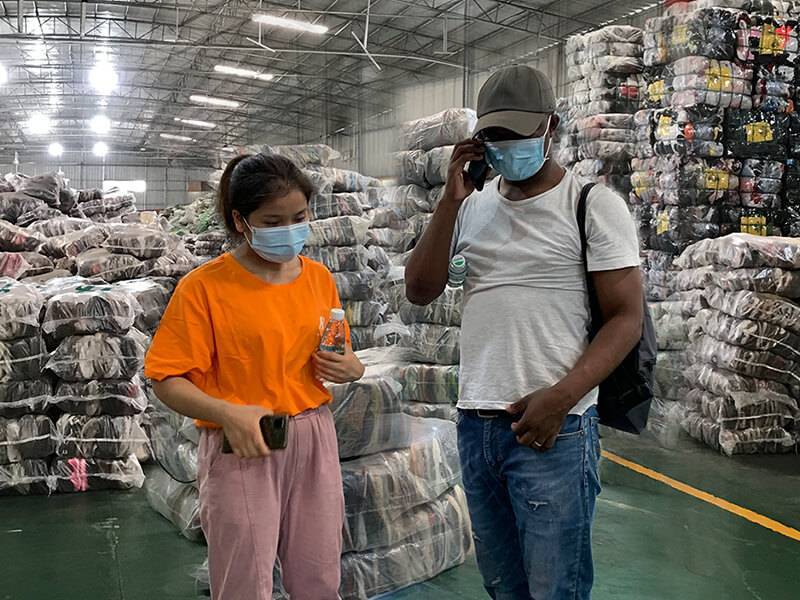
pixel 518 160
pixel 279 244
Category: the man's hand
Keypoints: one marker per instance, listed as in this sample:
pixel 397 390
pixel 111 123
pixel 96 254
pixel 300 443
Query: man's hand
pixel 242 427
pixel 545 412
pixel 338 368
pixel 458 185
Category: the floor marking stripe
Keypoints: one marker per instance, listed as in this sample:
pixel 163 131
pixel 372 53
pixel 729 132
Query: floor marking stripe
pixel 730 507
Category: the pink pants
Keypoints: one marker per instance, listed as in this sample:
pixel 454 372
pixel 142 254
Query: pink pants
pixel 289 504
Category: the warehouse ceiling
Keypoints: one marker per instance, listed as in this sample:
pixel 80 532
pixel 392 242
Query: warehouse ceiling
pixel 141 63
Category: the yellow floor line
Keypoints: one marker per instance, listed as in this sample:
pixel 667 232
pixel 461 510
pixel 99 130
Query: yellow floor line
pixel 730 507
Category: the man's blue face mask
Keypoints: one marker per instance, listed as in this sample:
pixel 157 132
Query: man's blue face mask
pixel 518 160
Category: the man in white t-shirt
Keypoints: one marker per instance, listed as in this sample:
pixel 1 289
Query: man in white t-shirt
pixel 527 420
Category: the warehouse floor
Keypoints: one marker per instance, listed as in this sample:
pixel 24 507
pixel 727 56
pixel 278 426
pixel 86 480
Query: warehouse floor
pixel 652 541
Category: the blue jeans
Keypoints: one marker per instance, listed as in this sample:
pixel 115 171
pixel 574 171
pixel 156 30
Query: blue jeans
pixel 532 511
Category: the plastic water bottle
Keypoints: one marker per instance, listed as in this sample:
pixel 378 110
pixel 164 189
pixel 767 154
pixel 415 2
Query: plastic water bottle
pixel 457 271
pixel 334 336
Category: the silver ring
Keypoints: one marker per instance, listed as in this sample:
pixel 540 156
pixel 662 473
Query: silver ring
pixel 537 444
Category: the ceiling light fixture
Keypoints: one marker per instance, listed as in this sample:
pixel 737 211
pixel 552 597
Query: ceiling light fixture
pixel 39 124
pixel 100 124
pixel 100 149
pixel 195 123
pixel 199 99
pixel 249 73
pixel 290 24
pixel 177 138
pixel 55 149
pixel 103 77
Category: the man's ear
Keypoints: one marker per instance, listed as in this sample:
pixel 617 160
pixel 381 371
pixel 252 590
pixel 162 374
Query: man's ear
pixel 555 120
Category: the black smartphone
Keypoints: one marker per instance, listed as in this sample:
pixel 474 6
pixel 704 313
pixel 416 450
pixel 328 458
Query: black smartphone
pixel 477 172
pixel 274 428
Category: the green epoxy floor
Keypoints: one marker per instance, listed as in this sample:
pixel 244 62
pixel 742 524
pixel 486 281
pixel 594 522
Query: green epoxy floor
pixel 651 542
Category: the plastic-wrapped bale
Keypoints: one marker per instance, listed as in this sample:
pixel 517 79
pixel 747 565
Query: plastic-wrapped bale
pixel 604 93
pixel 13 205
pixel 85 308
pixel 422 410
pixel 357 286
pixel 761 183
pixel 108 207
pixel 711 33
pixel 411 167
pixel 442 129
pixel 28 437
pixel 98 356
pixel 790 212
pixel 18 239
pixel 22 359
pixel 394 240
pixel 774 88
pixel 61 226
pixel 44 187
pixel 74 243
pixel 72 474
pixel 445 310
pixel 210 243
pixel 177 502
pixel 305 154
pixel 103 437
pixel 339 231
pixel 430 384
pixel 437 163
pixel 172 449
pixel 757 134
pixel 699 182
pixel 429 343
pixel 350 204
pixel 322 182
pixel 18 265
pixel 364 313
pixel 363 338
pixel 678 227
pixel 38 214
pixel 369 416
pixel 20 306
pixel 614 49
pixel 136 240
pixel 347 181
pixel 110 267
pixel 339 259
pixel 767 40
pixel 25 477
pixel 696 80
pixel 694 131
pixel 176 264
pixel 151 297
pixel 19 398
pixel 407 200
pixel 99 397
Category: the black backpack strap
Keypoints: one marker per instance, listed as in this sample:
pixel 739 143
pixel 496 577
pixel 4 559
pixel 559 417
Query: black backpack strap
pixel 584 197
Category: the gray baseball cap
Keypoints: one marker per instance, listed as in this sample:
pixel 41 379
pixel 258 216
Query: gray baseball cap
pixel 518 98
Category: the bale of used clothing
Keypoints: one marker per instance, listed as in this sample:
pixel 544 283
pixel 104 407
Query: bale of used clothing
pixel 437 163
pixel 378 260
pixel 693 131
pixel 20 305
pixel 604 93
pixel 74 474
pixel 761 183
pixel 669 375
pixel 152 297
pixel 13 205
pixel 28 437
pixel 322 182
pixel 86 308
pixel 44 187
pixel 411 167
pixel 611 49
pixel 697 80
pixel 25 477
pixel 764 280
pixel 118 398
pixel 176 264
pixel 754 306
pixel 98 356
pixel 369 417
pixel 17 239
pixel 339 231
pixel 347 181
pixel 766 40
pixel 442 129
pixel 136 240
pixel 339 258
pixel 757 134
pixel 770 440
pixel 690 181
pixel 422 410
pixel 177 502
pixel 356 286
pixel 25 264
pixel 365 313
pixel 711 33
pixel 104 437
pixel 448 512
pixel 407 200
pixel 429 343
pixel 108 207
pixel 363 338
pixel 774 88
pixel 72 244
pixel 305 154
pixel 739 251
pixel 745 411
pixel 445 310
pixel 753 335
pixel 59 226
pixel 22 358
pixel 678 227
pixel 110 267
pixel 395 240
pixel 19 398
pixel 349 204
pixel 430 384
pixel 171 448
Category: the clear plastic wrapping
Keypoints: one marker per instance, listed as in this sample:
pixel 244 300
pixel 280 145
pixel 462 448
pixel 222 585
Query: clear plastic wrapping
pixel 28 264
pixel 35 215
pixel 431 384
pixel 396 240
pixel 98 356
pixel 100 397
pixel 437 163
pixel 696 80
pixel 408 200
pixel 751 363
pixel 743 251
pixel 339 259
pixel 432 343
pixel 108 207
pixel 411 167
pixel 151 301
pixel 18 398
pixel 727 383
pixel 349 204
pixel 136 240
pixel 445 310
pixel 672 328
pixel 25 477
pixel 103 437
pixel 170 444
pixel 28 437
pixel 20 306
pixel 364 313
pixel 695 131
pixel 423 410
pixel 18 239
pixel 60 226
pixel 708 32
pixel 757 134
pixel 44 187
pixel 670 375
pixel 84 308
pixel 753 335
pixel 369 417
pixel 110 267
pixel 13 205
pixel 773 440
pixel 73 474
pixel 743 411
pixel 363 338
pixel 305 154
pixel 442 129
pixel 347 181
pixel 74 243
pixel 177 502
pixel 357 285
pixel 756 307
pixel 22 358
pixel 339 231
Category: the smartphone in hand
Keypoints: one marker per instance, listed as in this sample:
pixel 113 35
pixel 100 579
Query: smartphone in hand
pixel 274 428
pixel 477 171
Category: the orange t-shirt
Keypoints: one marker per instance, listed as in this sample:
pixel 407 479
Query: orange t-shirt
pixel 243 340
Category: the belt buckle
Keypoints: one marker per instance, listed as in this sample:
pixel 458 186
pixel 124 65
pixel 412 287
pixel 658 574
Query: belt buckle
pixel 486 414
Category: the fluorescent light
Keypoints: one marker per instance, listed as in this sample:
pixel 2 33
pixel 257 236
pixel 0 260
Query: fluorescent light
pixel 100 149
pixel 289 24
pixel 177 138
pixel 3 74
pixel 244 73
pixel 39 124
pixel 55 149
pixel 195 123
pixel 100 124
pixel 214 101
pixel 103 78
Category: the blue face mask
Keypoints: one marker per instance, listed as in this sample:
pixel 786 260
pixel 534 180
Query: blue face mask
pixel 518 160
pixel 279 244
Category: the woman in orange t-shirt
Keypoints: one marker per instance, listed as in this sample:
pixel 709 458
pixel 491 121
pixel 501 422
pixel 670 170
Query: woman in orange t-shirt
pixel 239 341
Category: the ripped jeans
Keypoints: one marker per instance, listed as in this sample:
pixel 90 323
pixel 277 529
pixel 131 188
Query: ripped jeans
pixel 532 511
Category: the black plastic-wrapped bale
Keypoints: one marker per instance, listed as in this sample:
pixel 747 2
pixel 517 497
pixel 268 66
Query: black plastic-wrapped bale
pixel 103 437
pixel 28 437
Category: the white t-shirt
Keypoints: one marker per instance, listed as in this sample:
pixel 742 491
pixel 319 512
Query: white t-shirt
pixel 526 307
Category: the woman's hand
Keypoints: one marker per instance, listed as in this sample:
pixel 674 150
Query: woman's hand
pixel 242 428
pixel 338 368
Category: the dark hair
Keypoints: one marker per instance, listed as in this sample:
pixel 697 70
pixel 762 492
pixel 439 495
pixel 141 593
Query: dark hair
pixel 250 180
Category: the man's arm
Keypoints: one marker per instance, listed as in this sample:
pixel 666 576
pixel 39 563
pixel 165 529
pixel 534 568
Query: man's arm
pixel 619 293
pixel 426 272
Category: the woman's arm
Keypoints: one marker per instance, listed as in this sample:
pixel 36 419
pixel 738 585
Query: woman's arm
pixel 239 422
